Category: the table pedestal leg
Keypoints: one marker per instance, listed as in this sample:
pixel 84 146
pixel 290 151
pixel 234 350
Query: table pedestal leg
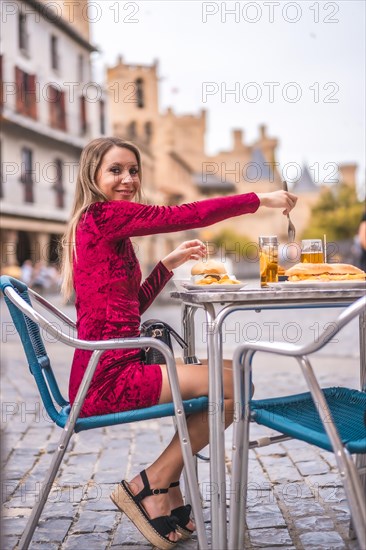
pixel 189 353
pixel 217 433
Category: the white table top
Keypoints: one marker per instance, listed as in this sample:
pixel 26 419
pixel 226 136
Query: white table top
pixel 253 295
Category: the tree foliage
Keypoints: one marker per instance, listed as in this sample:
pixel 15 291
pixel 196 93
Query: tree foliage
pixel 337 213
pixel 229 237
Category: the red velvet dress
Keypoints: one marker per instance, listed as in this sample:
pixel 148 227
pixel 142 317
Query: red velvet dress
pixel 110 297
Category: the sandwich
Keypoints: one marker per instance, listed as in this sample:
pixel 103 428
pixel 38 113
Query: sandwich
pixel 212 272
pixel 324 272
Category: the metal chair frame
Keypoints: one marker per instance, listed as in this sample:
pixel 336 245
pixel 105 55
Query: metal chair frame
pixel 242 369
pixel 24 316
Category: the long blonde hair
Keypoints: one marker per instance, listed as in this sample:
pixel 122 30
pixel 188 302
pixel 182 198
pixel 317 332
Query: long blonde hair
pixel 87 192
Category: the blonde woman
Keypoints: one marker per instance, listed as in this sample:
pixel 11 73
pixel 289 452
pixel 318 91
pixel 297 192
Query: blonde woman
pixel 100 264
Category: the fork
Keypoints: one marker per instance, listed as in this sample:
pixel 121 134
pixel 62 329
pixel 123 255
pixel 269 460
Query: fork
pixel 291 231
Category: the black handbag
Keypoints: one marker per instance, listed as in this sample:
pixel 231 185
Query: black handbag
pixel 154 328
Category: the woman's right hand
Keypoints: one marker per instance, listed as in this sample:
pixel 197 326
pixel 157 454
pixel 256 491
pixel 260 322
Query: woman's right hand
pixel 188 250
pixel 278 199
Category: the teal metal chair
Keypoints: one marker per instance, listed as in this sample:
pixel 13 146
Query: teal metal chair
pixel 28 321
pixel 332 418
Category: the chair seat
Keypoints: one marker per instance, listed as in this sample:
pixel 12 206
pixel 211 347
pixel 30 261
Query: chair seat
pixel 157 411
pixel 298 417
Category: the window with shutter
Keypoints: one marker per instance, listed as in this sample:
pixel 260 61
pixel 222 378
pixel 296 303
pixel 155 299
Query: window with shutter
pixel 1 85
pixel 23 38
pixel 32 96
pixel 59 185
pixel 27 174
pixel 83 122
pixel 56 100
pixel 1 171
pixel 26 93
pixel 102 117
pixel 51 98
pixel 80 68
pixel 19 103
pixel 62 112
pixel 140 93
pixel 132 133
pixel 148 131
pixel 54 53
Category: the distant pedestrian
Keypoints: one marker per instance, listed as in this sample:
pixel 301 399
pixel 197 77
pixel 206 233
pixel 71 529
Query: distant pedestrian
pixel 45 277
pixel 40 280
pixel 54 278
pixel 362 241
pixel 27 272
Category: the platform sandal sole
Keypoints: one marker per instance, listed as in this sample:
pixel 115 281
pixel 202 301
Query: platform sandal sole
pixel 123 499
pixel 185 533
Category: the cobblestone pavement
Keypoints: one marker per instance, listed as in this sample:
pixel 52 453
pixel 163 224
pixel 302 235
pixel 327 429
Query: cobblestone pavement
pixel 295 501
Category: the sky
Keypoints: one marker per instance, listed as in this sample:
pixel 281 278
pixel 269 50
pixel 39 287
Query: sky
pixel 298 67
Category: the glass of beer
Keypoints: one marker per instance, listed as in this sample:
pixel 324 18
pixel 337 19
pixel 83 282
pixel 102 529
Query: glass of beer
pixel 268 260
pixel 312 251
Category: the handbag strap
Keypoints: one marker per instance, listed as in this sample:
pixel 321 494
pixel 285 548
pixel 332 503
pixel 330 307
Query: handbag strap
pixel 151 322
pixel 178 338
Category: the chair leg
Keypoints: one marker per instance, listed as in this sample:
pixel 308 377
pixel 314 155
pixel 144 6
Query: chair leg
pixel 46 488
pixel 346 466
pixel 61 449
pixel 188 460
pixel 360 467
pixel 238 488
pixel 237 455
pixel 245 461
pixel 355 498
pixel 187 494
pixel 191 480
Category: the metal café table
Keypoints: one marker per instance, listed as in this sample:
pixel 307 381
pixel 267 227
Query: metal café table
pixel 218 305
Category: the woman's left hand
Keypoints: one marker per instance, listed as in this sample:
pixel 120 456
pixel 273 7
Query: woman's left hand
pixel 188 250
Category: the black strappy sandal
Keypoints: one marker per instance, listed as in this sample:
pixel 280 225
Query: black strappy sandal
pixel 183 515
pixel 154 530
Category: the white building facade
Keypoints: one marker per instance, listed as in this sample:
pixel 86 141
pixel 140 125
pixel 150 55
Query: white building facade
pixel 50 108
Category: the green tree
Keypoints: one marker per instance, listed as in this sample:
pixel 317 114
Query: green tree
pixel 232 243
pixel 229 237
pixel 337 214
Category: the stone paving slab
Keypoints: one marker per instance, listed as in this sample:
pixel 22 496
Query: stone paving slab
pixel 295 498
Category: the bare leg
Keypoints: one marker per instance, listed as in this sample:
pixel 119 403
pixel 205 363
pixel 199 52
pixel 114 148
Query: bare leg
pixel 193 380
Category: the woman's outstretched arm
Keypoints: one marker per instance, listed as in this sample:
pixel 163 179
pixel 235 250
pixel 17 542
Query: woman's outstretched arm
pixel 121 219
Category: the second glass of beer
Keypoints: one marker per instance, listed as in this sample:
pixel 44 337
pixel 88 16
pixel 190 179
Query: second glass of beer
pixel 312 251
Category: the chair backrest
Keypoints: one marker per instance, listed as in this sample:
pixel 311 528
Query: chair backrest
pixel 38 360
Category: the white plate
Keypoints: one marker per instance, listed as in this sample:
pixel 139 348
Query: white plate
pixel 323 285
pixel 215 287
